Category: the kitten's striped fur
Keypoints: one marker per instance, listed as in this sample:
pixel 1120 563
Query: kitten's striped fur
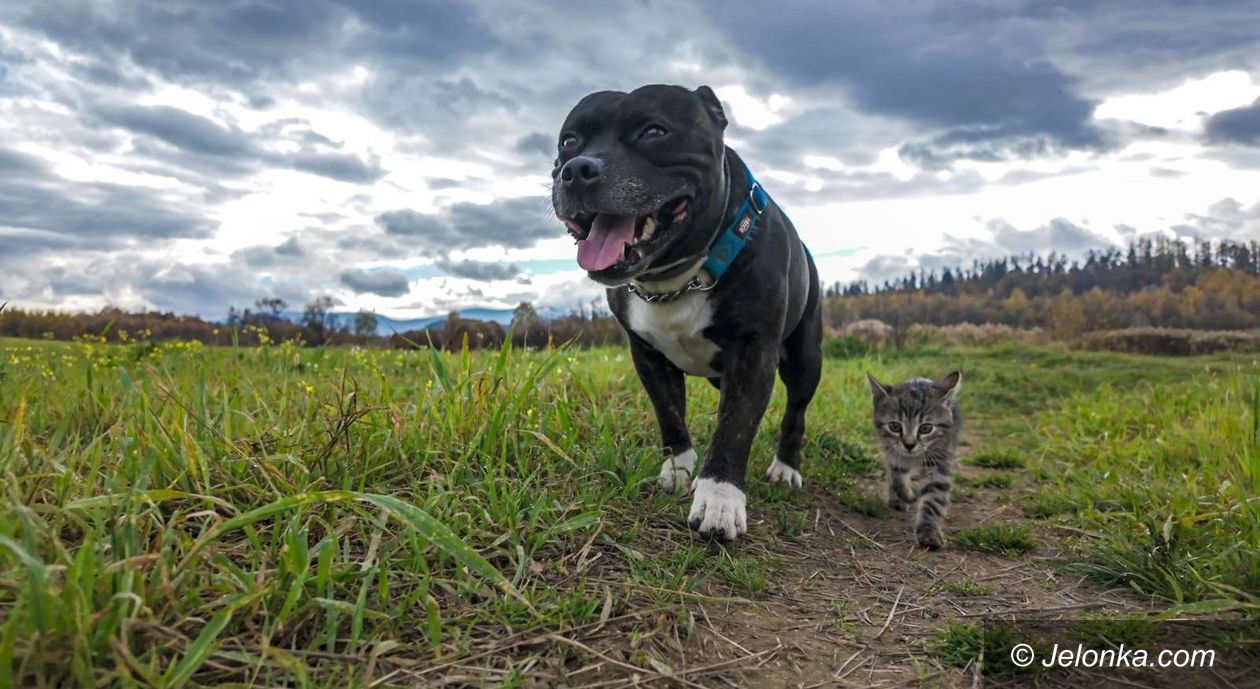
pixel 917 425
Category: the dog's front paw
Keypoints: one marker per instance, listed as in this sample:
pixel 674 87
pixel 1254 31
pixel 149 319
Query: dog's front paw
pixel 782 473
pixel 676 470
pixel 718 509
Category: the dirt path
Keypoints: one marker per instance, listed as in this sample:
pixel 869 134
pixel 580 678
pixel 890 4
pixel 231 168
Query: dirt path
pixel 853 602
pixel 856 603
pixel 850 601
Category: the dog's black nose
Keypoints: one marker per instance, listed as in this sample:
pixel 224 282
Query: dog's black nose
pixel 582 172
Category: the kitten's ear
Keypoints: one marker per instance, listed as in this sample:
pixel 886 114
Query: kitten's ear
pixel 947 387
pixel 878 389
pixel 713 105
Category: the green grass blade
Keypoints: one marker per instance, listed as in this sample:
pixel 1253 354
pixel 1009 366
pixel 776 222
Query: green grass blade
pixel 197 653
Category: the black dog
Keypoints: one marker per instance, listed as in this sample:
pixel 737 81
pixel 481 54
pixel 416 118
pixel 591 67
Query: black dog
pixel 705 273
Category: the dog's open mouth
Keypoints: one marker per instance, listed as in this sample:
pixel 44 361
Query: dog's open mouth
pixel 605 240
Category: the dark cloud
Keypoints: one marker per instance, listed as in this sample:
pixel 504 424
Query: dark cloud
pixel 209 289
pixel 180 129
pixel 408 223
pixel 882 268
pixel 268 256
pixel 339 166
pixel 13 163
pixel 290 247
pixel 233 151
pixel 229 42
pixel 1059 235
pixel 832 130
pixel 86 215
pixel 479 270
pixel 976 81
pixel 1002 239
pixel 512 223
pixel 384 282
pixel 420 30
pixel 1239 125
pixel 1225 219
pixel 537 143
pixel 439 183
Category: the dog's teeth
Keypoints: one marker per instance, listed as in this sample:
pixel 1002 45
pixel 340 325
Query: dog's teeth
pixel 649 226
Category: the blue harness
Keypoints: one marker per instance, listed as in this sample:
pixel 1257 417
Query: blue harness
pixel 725 247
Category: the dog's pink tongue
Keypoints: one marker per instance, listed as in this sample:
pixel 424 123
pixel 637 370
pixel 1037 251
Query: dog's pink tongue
pixel 602 247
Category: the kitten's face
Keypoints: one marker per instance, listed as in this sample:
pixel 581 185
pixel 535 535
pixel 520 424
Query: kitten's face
pixel 915 416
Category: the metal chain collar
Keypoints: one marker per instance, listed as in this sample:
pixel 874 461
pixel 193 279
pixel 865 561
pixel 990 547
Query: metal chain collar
pixel 696 283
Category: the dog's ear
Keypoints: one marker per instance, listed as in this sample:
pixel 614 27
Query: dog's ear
pixel 713 105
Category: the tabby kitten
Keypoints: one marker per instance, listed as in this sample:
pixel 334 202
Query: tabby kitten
pixel 917 425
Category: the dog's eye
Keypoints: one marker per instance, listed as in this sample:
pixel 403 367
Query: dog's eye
pixel 652 131
pixel 925 429
pixel 568 141
pixel 894 427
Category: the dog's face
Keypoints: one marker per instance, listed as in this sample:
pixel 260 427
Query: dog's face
pixel 638 179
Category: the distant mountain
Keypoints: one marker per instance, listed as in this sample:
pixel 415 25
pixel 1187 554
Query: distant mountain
pixel 386 326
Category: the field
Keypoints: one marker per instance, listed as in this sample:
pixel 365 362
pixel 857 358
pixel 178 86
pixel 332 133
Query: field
pixel 181 515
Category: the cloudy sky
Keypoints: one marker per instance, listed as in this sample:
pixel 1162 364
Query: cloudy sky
pixel 190 155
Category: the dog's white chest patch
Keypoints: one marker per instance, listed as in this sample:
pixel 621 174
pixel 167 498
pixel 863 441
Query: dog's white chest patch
pixel 676 329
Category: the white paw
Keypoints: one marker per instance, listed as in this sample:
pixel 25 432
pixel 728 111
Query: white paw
pixel 676 470
pixel 718 509
pixel 782 473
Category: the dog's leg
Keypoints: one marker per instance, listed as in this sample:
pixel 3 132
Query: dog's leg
pixel 800 370
pixel 668 391
pixel 718 508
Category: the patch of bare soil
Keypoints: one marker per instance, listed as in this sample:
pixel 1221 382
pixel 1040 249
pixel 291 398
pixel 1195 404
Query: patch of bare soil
pixel 857 604
pixel 853 602
pixel 849 602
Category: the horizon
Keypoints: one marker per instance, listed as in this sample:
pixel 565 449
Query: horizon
pixel 396 157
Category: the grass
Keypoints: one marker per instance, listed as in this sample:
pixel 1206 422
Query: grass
pixel 967 588
pixel 1044 505
pixel 1006 539
pixel 963 644
pixel 865 505
pixel 996 480
pixel 996 459
pixel 181 515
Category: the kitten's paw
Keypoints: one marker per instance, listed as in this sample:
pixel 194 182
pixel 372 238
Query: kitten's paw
pixel 897 503
pixel 930 536
pixel 676 470
pixel 782 473
pixel 718 509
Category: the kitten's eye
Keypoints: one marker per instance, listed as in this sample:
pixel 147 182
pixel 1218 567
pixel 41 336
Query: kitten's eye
pixel 925 429
pixel 894 427
pixel 652 131
pixel 568 141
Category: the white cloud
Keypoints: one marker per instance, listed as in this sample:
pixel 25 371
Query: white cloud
pixel 1183 106
pixel 749 111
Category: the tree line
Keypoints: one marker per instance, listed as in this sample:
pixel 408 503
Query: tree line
pixel 1154 283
